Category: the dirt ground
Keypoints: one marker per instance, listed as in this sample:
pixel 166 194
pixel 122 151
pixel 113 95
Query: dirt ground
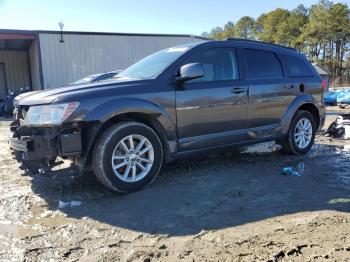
pixel 227 207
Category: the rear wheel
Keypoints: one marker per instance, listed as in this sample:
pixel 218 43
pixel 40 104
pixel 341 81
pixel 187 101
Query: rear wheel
pixel 127 157
pixel 301 135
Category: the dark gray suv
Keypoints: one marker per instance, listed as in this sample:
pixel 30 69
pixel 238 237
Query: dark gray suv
pixel 177 102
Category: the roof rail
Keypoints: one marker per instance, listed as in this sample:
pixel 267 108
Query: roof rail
pixel 258 42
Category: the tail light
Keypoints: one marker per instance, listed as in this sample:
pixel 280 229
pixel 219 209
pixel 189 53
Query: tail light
pixel 324 85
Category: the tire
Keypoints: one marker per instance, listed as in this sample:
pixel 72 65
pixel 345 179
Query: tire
pixel 291 144
pixel 115 143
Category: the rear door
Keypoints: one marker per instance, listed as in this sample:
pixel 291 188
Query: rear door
pixel 269 93
pixel 212 110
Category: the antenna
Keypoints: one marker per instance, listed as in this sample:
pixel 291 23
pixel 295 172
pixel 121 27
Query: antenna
pixel 61 25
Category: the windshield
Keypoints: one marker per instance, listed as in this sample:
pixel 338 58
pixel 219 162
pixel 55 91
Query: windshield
pixel 151 66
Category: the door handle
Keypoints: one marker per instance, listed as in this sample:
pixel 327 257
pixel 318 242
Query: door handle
pixel 238 90
pixel 289 87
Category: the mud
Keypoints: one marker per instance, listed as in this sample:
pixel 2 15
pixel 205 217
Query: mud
pixel 227 207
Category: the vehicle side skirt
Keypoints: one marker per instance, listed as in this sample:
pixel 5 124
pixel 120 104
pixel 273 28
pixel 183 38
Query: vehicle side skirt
pixel 217 149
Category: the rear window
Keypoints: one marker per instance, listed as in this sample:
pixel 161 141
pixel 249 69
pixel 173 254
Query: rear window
pixel 262 64
pixel 296 67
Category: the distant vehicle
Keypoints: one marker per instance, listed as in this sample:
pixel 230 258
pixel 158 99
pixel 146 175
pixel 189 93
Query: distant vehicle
pixel 89 79
pixel 341 96
pixel 96 77
pixel 330 98
pixel 344 98
pixel 178 102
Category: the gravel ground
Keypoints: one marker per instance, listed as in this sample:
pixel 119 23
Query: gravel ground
pixel 227 207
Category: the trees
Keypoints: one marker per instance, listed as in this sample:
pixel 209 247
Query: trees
pixel 339 35
pixel 327 35
pixel 316 31
pixel 321 31
pixel 217 33
pixel 229 30
pixel 290 29
pixel 269 25
pixel 245 28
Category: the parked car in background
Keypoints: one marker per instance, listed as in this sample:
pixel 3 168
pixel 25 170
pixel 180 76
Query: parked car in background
pixel 336 97
pixel 89 79
pixel 330 98
pixel 178 102
pixel 96 77
pixel 344 98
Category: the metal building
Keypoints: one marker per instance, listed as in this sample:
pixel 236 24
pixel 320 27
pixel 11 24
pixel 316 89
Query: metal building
pixel 41 59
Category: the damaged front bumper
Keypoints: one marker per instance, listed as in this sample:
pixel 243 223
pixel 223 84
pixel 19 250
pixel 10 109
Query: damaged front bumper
pixel 41 148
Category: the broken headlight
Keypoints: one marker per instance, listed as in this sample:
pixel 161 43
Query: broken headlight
pixel 52 114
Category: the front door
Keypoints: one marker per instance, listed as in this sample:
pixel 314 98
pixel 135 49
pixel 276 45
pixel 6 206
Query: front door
pixel 212 110
pixel 3 88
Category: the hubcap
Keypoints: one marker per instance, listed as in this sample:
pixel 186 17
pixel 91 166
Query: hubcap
pixel 132 158
pixel 303 133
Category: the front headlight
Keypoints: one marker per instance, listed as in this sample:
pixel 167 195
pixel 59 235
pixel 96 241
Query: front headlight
pixel 52 114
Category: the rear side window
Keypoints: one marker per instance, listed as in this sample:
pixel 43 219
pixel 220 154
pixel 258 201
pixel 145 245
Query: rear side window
pixel 219 64
pixel 295 67
pixel 262 64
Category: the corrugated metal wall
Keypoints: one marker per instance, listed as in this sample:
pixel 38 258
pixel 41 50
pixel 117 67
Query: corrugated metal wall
pixel 34 65
pixel 16 67
pixel 81 55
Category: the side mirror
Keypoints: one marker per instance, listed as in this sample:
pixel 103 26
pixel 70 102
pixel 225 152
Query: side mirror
pixel 190 71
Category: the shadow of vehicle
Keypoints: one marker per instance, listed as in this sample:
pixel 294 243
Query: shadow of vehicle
pixel 212 192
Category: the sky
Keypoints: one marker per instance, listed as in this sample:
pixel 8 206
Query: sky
pixel 131 16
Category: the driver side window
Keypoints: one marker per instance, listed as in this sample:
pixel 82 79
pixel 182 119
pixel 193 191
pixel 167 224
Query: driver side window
pixel 219 64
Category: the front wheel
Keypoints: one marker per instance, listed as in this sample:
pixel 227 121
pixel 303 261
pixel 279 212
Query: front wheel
pixel 127 157
pixel 301 135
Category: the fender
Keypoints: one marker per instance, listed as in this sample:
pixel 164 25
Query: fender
pixel 119 106
pixel 293 108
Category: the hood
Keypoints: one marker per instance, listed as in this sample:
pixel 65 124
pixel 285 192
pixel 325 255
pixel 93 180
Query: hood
pixel 50 95
pixel 24 95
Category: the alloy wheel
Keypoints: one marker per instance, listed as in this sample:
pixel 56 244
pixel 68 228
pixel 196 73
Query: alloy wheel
pixel 303 133
pixel 132 158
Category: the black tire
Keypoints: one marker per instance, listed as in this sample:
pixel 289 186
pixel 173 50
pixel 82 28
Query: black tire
pixel 289 145
pixel 104 148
